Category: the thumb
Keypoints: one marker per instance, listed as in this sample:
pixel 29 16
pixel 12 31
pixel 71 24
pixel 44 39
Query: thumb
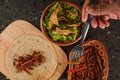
pixel 99 9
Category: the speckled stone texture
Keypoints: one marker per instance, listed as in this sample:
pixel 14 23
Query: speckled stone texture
pixel 30 10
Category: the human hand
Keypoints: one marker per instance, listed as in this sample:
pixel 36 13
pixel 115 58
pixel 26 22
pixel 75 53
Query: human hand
pixel 101 12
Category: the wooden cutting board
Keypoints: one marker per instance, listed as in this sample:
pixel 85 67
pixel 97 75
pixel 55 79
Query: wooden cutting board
pixel 15 30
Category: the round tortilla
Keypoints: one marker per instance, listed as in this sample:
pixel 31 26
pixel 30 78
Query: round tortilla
pixel 25 45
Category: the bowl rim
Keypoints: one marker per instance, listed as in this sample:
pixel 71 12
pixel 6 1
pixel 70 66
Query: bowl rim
pixel 46 34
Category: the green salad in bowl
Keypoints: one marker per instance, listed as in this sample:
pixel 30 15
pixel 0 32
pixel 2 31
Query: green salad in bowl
pixel 62 22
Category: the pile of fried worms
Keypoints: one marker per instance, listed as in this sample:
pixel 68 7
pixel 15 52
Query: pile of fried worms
pixel 91 66
pixel 28 62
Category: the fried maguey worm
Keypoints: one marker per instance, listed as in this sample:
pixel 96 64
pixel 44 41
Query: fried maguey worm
pixel 93 63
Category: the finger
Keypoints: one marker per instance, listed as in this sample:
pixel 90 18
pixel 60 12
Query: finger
pixel 106 17
pixel 94 22
pixel 105 20
pixel 99 9
pixel 107 23
pixel 101 24
pixel 84 13
pixel 113 16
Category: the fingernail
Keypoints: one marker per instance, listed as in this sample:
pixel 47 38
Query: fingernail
pixel 113 16
pixel 83 20
pixel 95 26
pixel 106 18
pixel 108 24
pixel 103 27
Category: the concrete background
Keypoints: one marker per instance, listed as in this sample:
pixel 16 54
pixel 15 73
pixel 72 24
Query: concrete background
pixel 30 10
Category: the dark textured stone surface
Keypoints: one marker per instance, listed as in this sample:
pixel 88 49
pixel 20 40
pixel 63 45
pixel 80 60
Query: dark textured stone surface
pixel 30 10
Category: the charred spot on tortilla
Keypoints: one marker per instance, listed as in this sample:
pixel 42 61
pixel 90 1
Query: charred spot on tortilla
pixel 38 41
pixel 28 62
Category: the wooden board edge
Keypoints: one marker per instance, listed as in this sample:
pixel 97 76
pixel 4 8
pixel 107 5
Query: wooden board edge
pixel 36 32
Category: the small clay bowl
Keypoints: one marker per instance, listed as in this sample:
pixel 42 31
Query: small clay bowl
pixel 101 51
pixel 45 32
